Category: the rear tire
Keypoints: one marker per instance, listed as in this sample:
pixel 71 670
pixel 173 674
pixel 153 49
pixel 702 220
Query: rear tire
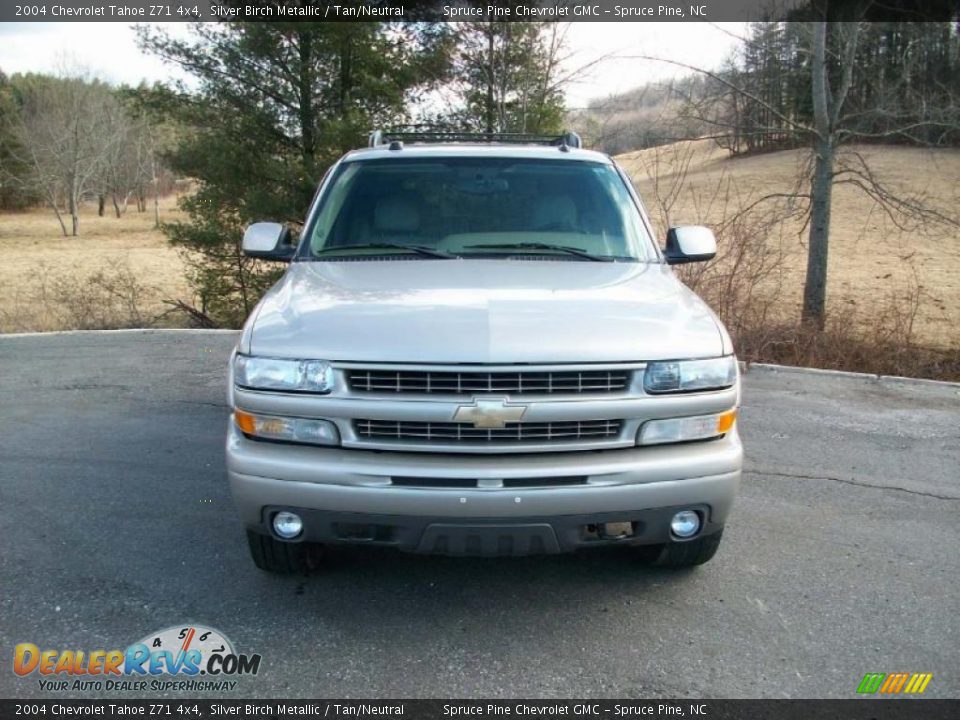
pixel 690 553
pixel 278 557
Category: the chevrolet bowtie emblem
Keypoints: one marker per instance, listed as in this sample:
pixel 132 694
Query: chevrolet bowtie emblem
pixel 489 413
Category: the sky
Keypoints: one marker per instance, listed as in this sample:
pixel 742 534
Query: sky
pixel 109 51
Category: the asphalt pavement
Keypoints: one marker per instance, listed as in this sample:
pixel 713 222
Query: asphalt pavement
pixel 842 555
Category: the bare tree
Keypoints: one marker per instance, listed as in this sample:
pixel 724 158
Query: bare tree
pixel 119 170
pixel 826 111
pixel 129 167
pixel 829 133
pixel 59 131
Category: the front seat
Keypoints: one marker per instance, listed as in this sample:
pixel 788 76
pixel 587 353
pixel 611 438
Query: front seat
pixel 396 218
pixel 557 213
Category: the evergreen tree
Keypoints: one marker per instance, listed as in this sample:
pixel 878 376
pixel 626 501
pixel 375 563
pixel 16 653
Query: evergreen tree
pixel 510 76
pixel 274 104
pixel 16 189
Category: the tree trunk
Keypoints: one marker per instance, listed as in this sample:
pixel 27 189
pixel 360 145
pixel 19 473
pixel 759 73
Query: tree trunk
pixel 821 190
pixel 101 204
pixel 346 75
pixel 821 186
pixel 156 193
pixel 491 70
pixel 56 210
pixel 307 115
pixel 116 206
pixel 74 216
pixel 74 184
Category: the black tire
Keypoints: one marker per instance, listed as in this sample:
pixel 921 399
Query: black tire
pixel 278 557
pixel 690 553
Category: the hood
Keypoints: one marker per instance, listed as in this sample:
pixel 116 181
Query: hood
pixel 482 311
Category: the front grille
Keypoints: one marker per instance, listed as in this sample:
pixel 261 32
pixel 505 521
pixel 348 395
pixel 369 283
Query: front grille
pixel 517 382
pixel 451 432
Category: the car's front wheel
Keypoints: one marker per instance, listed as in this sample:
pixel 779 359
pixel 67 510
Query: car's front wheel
pixel 274 556
pixel 683 554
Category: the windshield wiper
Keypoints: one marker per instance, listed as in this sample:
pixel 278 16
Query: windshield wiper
pixel 420 249
pixel 544 246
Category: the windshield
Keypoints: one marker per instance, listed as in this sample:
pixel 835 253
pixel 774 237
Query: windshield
pixel 478 207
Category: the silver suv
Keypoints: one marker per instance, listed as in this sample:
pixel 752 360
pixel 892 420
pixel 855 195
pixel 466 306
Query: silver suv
pixel 479 349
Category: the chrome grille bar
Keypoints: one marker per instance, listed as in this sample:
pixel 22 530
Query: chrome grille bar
pixel 530 382
pixel 426 432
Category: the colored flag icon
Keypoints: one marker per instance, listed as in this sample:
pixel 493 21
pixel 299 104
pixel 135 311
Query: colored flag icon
pixel 894 683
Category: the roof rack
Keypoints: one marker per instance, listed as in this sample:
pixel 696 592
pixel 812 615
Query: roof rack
pixel 567 139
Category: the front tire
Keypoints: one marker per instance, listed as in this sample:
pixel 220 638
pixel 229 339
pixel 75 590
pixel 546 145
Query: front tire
pixel 274 556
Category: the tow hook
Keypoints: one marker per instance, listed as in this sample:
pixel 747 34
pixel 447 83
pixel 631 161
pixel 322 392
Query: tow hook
pixel 614 531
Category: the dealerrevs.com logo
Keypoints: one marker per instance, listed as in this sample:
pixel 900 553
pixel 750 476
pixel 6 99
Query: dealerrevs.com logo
pixel 184 658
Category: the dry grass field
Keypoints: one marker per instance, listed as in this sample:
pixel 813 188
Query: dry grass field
pixel 45 277
pixel 871 259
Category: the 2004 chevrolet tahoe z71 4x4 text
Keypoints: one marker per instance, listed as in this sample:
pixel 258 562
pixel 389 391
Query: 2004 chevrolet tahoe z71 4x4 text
pixel 479 349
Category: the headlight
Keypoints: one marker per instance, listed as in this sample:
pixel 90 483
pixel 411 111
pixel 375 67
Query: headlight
pixel 261 373
pixel 299 430
pixel 701 427
pixel 688 375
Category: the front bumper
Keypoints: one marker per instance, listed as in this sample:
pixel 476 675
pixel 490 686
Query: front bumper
pixel 349 496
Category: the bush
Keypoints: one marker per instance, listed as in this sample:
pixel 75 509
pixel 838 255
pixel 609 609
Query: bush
pixel 883 346
pixel 743 286
pixel 108 299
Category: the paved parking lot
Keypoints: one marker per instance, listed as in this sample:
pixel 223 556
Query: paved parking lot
pixel 841 558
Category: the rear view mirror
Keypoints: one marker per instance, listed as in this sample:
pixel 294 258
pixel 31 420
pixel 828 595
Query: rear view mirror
pixel 268 241
pixel 690 243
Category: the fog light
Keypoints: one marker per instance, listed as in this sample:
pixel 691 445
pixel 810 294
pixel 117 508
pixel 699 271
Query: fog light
pixel 287 525
pixel 685 524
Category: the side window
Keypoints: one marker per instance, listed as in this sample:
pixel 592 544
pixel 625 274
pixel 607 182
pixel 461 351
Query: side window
pixel 332 203
pixel 313 204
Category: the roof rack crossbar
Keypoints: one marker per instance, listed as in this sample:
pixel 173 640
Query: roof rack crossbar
pixel 566 139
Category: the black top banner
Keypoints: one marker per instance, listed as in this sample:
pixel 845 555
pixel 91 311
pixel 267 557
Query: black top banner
pixel 466 10
pixel 166 708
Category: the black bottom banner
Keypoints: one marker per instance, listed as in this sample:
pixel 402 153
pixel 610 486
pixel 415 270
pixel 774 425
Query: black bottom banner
pixel 858 709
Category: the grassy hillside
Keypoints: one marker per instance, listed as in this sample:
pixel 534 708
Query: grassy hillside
pixel 871 258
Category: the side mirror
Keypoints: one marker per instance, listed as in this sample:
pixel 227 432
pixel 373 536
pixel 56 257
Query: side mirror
pixel 690 243
pixel 268 241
